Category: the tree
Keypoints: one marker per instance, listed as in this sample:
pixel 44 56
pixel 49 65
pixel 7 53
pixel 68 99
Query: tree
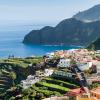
pixel 13 77
pixel 93 47
pixel 73 62
pixel 39 96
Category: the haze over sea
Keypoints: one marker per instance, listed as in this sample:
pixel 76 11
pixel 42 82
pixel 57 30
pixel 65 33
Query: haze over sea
pixel 11 37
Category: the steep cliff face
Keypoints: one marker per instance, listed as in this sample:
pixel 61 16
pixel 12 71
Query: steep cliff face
pixel 92 14
pixel 69 31
pixel 40 36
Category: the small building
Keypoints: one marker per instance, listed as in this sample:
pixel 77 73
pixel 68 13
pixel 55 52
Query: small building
pixel 63 63
pixel 48 72
pixel 85 66
pixel 93 79
pixel 81 95
pixel 96 93
pixel 50 55
pixel 98 70
pixel 39 74
pixel 63 74
pixel 29 81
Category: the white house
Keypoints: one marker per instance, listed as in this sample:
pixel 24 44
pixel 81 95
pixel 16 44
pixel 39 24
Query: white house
pixel 64 63
pixel 98 69
pixel 85 66
pixel 29 81
pixel 48 72
pixel 50 55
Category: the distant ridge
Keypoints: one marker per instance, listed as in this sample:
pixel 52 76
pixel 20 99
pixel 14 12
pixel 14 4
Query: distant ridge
pixel 92 14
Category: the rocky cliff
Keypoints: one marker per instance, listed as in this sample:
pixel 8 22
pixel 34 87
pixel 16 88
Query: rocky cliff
pixel 67 32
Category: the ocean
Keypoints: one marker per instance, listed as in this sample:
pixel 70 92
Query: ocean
pixel 11 38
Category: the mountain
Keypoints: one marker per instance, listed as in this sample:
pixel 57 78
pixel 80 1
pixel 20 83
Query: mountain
pixel 68 32
pixel 92 14
pixel 95 44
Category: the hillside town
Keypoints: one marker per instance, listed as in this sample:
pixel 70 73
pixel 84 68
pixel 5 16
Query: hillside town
pixel 50 50
pixel 85 66
pixel 61 75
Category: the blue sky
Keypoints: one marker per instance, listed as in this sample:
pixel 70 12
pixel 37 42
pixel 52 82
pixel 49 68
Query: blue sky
pixel 41 10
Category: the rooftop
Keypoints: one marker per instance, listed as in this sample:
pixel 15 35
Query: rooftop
pixel 97 90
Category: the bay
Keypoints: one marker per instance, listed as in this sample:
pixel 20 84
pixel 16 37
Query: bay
pixel 11 38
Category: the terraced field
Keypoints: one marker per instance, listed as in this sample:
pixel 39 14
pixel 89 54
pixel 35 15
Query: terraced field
pixel 51 86
pixel 48 86
pixel 17 65
pixel 5 80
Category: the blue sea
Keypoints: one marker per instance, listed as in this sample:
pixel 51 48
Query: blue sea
pixel 11 37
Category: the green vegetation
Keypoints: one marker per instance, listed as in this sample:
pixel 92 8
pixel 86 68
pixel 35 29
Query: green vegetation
pixel 42 89
pixel 94 85
pixel 13 70
pixel 95 45
pixel 45 91
pixel 13 77
pixel 50 86
pixel 39 90
pixel 61 82
pixel 53 86
pixel 22 62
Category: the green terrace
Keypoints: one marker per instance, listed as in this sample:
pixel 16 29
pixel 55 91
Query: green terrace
pixel 57 84
pixel 51 86
pixel 94 85
pixel 60 82
pixel 22 62
pixel 20 66
pixel 46 92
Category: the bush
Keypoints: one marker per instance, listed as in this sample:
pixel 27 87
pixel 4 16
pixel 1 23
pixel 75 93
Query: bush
pixel 12 98
pixel 57 94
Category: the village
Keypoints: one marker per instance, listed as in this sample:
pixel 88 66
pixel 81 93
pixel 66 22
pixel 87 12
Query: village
pixel 64 62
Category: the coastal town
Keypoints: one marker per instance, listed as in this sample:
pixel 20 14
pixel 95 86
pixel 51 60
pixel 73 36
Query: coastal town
pixel 71 74
pixel 86 61
pixel 50 50
pixel 61 75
